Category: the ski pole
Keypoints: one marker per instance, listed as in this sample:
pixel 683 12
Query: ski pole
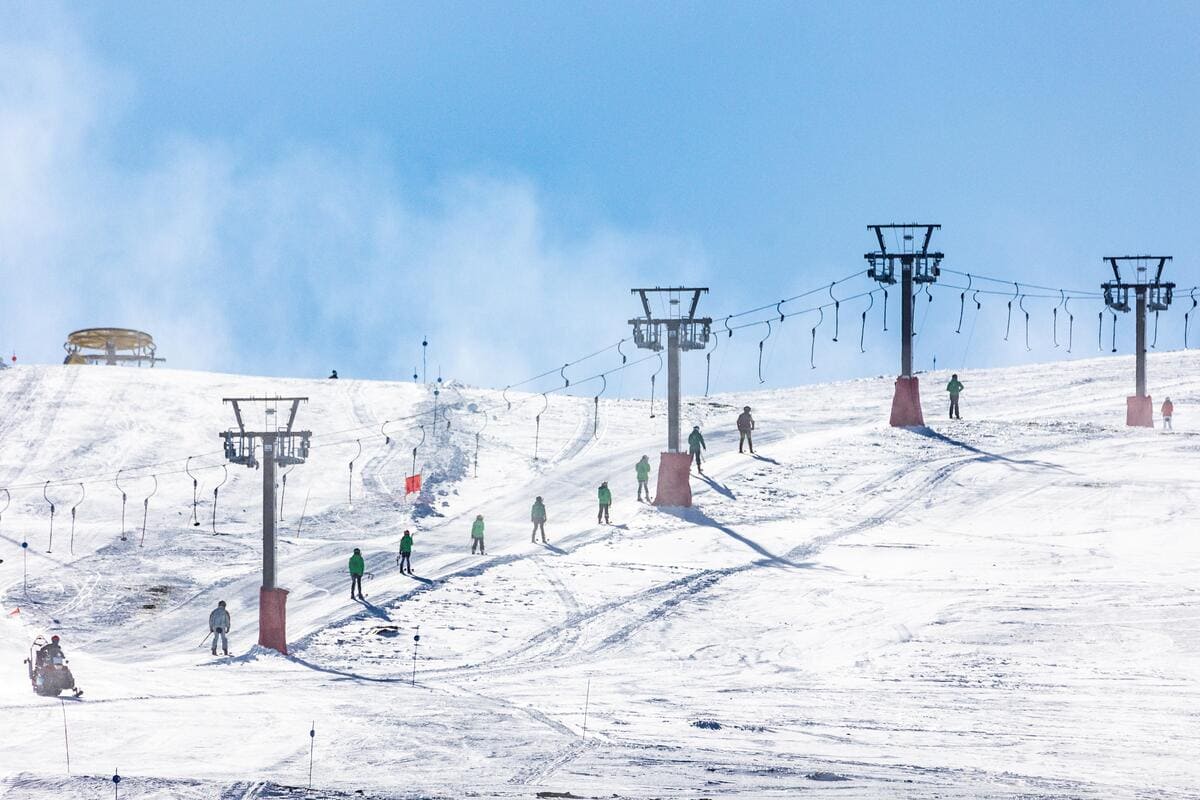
pixel 205 639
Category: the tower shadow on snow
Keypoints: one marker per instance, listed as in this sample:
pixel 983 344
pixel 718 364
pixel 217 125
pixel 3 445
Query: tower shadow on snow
pixel 698 517
pixel 930 433
pixel 341 673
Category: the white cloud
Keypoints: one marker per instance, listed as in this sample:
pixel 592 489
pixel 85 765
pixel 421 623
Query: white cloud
pixel 291 264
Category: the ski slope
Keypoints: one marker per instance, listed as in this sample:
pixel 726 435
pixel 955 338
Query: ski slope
pixel 1004 606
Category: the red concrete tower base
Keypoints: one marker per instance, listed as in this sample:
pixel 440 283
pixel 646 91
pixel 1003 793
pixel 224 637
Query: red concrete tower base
pixel 674 480
pixel 906 404
pixel 272 619
pixel 1139 412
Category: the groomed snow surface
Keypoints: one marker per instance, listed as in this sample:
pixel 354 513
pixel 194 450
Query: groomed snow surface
pixel 1004 606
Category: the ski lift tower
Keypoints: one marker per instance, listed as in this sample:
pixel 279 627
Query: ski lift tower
pixel 1153 295
pixel 280 445
pixel 684 331
pixel 917 265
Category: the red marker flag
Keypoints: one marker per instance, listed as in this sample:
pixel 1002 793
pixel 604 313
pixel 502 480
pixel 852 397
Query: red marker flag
pixel 412 484
pixel 15 611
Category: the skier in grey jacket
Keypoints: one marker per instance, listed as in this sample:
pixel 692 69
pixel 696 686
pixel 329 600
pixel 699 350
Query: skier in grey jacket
pixel 218 624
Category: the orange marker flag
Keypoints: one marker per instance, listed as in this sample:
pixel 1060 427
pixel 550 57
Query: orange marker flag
pixel 412 484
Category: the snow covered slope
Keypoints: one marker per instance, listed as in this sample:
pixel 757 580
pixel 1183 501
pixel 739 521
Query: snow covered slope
pixel 999 607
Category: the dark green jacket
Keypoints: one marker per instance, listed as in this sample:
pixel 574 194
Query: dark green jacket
pixel 406 543
pixel 696 442
pixel 604 494
pixel 954 387
pixel 643 470
pixel 356 565
pixel 477 529
pixel 538 514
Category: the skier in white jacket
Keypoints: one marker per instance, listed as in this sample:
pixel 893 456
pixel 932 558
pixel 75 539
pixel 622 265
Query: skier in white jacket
pixel 218 624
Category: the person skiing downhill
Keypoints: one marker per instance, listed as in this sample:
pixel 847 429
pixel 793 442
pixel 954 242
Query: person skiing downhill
pixel 356 573
pixel 695 445
pixel 954 387
pixel 538 515
pixel 405 557
pixel 643 477
pixel 1168 411
pixel 604 495
pixel 745 424
pixel 477 535
pixel 218 626
pixel 333 375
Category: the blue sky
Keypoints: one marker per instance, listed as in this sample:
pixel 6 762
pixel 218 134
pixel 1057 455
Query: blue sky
pixel 284 189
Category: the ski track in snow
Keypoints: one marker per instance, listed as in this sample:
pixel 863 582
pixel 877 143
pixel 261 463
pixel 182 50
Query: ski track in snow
pixel 731 649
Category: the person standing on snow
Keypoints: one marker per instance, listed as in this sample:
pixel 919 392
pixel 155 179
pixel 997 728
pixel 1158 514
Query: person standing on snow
pixel 643 477
pixel 954 387
pixel 745 424
pixel 477 535
pixel 695 445
pixel 538 515
pixel 1168 411
pixel 356 572
pixel 405 558
pixel 604 495
pixel 218 626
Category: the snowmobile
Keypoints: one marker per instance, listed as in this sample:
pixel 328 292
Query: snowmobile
pixel 48 670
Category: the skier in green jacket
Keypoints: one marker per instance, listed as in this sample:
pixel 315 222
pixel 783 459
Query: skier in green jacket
pixel 405 557
pixel 604 495
pixel 954 387
pixel 356 573
pixel 695 445
pixel 477 534
pixel 643 477
pixel 538 515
